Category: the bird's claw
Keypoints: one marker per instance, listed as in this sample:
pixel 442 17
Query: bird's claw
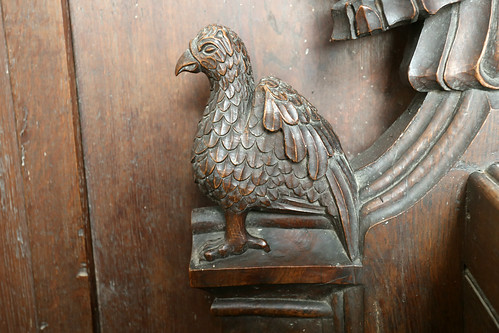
pixel 258 243
pixel 229 248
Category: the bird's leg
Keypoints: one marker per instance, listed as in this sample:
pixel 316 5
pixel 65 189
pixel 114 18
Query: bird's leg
pixel 237 240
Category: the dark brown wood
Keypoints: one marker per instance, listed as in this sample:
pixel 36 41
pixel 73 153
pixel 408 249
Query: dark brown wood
pixel 479 316
pixel 398 12
pixel 477 23
pixel 304 301
pixel 307 251
pixel 406 168
pixel 44 100
pixel 17 298
pixel 481 297
pixel 394 169
pixel 138 121
pixel 393 175
pixel 289 308
pixel 456 48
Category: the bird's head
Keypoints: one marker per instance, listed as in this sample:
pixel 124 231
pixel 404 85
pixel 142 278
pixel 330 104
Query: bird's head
pixel 215 51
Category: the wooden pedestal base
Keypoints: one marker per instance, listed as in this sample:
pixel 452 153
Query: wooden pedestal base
pixel 306 283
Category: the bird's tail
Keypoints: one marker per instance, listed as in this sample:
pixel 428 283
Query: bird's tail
pixel 343 185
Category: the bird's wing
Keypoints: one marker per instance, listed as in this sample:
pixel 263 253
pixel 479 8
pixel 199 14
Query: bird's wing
pixel 306 133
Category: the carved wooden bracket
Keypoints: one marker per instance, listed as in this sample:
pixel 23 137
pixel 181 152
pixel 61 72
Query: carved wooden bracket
pixel 304 250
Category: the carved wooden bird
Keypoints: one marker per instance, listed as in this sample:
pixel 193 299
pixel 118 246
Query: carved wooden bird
pixel 263 146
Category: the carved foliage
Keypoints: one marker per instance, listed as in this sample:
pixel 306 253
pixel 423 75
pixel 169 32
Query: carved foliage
pixel 394 174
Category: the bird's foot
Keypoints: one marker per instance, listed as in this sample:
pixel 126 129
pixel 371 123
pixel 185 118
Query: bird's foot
pixel 234 247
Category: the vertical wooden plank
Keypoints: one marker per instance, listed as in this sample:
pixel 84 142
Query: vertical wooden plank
pixel 44 105
pixel 481 242
pixel 17 301
pixel 354 309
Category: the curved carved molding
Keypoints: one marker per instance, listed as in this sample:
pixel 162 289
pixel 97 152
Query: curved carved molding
pixel 264 146
pixel 417 151
pixel 279 175
pixel 456 53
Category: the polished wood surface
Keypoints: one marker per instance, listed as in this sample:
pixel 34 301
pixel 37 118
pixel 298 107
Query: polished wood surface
pixel 264 146
pixel 358 18
pixel 290 308
pixel 305 250
pixel 477 314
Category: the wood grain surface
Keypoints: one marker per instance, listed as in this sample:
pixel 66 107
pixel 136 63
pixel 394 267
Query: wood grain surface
pixel 17 299
pixel 44 106
pixel 482 234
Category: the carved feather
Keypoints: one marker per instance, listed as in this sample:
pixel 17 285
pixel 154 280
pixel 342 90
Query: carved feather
pixel 242 172
pixel 231 141
pixel 305 132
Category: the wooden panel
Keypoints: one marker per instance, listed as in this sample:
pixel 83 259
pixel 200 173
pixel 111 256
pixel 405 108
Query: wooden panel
pixel 138 123
pixel 46 119
pixel 412 268
pixel 17 300
pixel 249 324
pixel 482 232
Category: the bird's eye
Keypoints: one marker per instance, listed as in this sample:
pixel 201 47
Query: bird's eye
pixel 209 49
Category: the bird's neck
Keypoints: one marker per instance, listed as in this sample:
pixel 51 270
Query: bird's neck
pixel 233 92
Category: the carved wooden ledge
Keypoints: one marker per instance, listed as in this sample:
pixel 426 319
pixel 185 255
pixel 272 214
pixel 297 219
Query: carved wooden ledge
pixel 305 249
pixel 306 282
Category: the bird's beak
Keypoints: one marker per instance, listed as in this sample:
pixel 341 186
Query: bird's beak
pixel 187 63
